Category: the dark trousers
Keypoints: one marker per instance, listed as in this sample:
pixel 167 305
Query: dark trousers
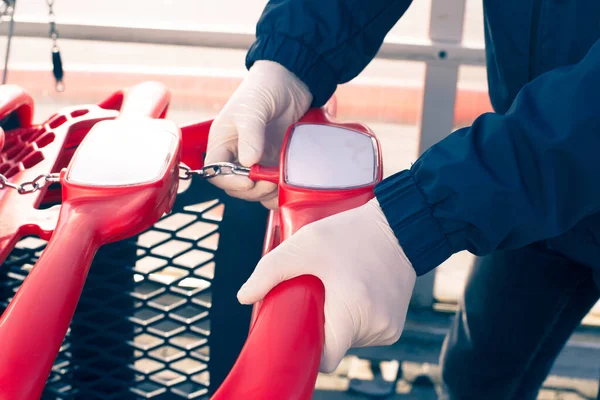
pixel 518 311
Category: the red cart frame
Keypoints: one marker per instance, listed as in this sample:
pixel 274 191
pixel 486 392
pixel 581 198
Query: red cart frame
pixel 283 350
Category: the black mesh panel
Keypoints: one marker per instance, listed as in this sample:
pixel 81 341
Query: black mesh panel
pixel 158 317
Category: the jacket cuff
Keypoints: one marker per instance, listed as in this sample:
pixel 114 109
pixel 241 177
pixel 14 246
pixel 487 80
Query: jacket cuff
pixel 298 59
pixel 411 218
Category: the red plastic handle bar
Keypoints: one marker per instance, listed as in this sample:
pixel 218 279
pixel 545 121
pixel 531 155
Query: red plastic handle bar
pixel 28 349
pixel 290 321
pixel 13 99
pixel 149 98
pixel 35 323
pixel 21 159
pixel 281 357
pixel 194 140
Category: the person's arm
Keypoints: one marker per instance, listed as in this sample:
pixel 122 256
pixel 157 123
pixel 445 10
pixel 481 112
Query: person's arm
pixel 508 180
pixel 324 42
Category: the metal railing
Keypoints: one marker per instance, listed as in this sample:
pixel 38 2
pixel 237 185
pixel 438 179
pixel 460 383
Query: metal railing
pixel 437 50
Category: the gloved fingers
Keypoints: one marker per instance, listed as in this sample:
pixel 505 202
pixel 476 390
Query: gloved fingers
pixel 251 125
pixel 274 268
pixel 229 183
pixel 223 147
pixel 238 186
pixel 271 203
pixel 337 343
pixel 263 279
pixel 260 191
pixel 222 141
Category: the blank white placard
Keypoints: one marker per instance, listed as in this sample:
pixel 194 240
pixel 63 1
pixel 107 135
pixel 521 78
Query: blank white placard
pixel 329 157
pixel 124 152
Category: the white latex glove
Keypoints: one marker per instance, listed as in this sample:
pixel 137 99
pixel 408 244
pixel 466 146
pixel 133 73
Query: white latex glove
pixel 367 277
pixel 252 125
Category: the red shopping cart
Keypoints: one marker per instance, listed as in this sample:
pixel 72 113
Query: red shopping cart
pixel 119 171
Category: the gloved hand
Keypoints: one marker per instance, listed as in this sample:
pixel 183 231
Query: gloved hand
pixel 367 277
pixel 252 125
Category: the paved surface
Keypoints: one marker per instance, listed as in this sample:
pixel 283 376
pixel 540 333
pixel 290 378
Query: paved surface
pixel 412 386
pixel 420 348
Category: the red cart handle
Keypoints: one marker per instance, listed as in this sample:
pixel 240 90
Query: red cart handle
pixel 149 99
pixel 281 357
pixel 34 325
pixel 13 99
pixel 58 279
pixel 290 321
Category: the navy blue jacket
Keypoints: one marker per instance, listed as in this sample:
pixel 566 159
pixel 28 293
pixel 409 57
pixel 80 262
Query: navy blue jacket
pixel 530 172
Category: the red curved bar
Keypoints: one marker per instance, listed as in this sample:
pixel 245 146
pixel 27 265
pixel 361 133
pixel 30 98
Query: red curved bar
pixel 152 98
pixel 194 140
pixel 289 322
pixel 16 210
pixel 32 328
pixel 281 357
pixel 262 173
pixel 149 99
pixel 14 99
pixel 66 130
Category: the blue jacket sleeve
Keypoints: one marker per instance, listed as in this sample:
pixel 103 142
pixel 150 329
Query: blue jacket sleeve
pixel 324 42
pixel 508 180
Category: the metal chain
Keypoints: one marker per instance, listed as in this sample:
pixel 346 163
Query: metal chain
pixel 212 170
pixel 52 21
pixel 57 67
pixel 31 186
pixel 206 172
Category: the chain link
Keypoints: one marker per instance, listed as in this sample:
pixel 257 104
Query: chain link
pixel 57 67
pixel 213 170
pixel 31 186
pixel 206 172
pixel 52 21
